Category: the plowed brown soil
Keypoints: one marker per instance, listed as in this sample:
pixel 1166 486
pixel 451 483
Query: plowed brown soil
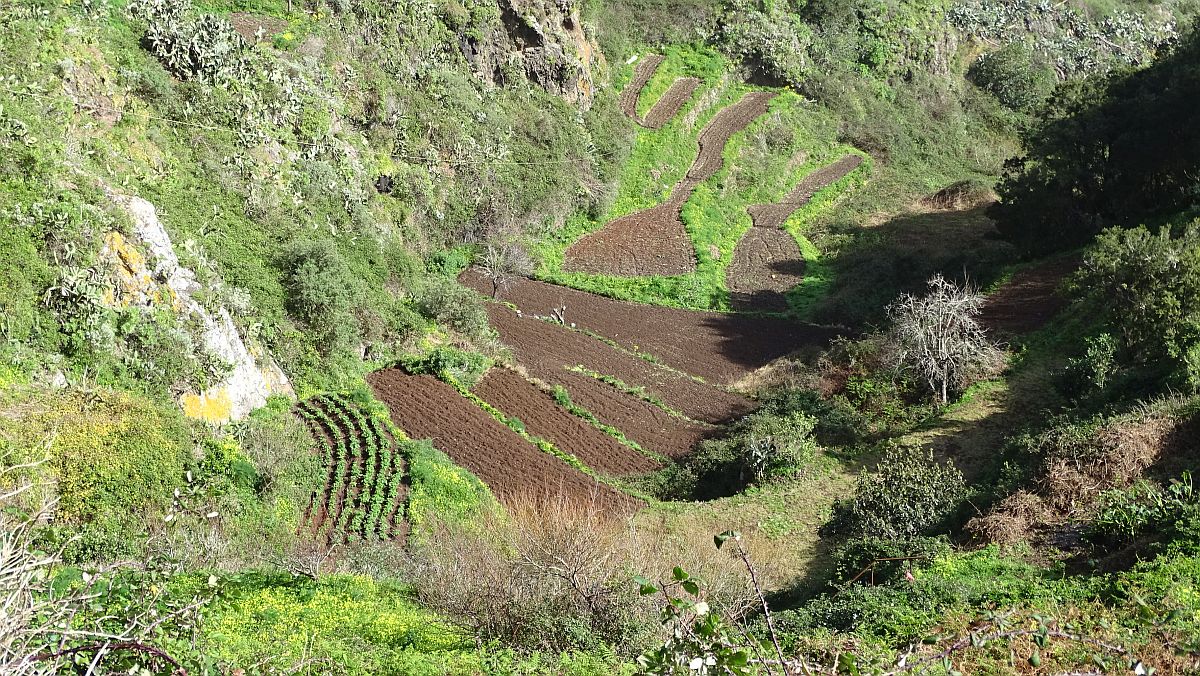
pixel 641 75
pixel 655 241
pixel 671 101
pixel 1029 299
pixel 766 264
pixel 546 348
pixel 775 215
pixel 534 343
pixel 513 468
pixel 651 427
pixel 543 417
pixel 721 348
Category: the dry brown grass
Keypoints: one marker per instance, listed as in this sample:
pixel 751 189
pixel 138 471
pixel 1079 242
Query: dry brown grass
pixel 1075 472
pixel 553 574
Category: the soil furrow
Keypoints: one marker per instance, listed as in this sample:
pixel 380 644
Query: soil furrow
pixel 546 347
pixel 426 408
pixel 766 265
pixel 543 417
pixel 776 214
pixel 641 75
pixel 670 102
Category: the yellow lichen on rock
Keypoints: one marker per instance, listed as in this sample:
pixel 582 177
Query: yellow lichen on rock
pixel 214 405
pixel 134 282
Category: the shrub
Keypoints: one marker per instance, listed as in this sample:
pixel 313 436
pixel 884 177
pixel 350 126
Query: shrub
pixel 1092 371
pixel 454 306
pixel 762 446
pixel 1128 513
pixel 1014 76
pixel 465 367
pixel 870 554
pixel 321 291
pixel 201 47
pixel 114 460
pixel 1147 285
pixel 907 495
pixel 554 575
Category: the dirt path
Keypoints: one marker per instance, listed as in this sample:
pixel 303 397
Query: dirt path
pixel 722 348
pixel 509 391
pixel 642 73
pixel 1029 300
pixel 767 262
pixel 670 102
pixel 655 241
pixel 426 408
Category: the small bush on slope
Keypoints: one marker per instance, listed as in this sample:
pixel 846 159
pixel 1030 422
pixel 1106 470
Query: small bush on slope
pixel 907 495
pixel 321 292
pixel 113 460
pixel 1014 76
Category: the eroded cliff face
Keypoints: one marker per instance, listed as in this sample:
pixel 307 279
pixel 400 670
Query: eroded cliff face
pixel 544 40
pixel 148 273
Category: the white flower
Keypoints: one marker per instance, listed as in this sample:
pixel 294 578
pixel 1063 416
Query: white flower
pixel 701 608
pixel 696 664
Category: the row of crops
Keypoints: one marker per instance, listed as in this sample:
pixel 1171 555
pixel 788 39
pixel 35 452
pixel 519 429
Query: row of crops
pixel 364 491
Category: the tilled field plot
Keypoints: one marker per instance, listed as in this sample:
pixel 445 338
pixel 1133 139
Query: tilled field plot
pixel 546 348
pixel 426 408
pixel 719 347
pixel 655 241
pixel 776 214
pixel 767 262
pixel 766 265
pixel 671 101
pixel 543 417
pixel 648 425
pixel 642 73
pixel 651 427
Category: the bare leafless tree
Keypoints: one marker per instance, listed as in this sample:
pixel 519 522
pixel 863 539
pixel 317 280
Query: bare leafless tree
pixel 938 337
pixel 502 260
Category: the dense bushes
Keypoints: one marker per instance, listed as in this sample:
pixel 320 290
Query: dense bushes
pixel 321 291
pixel 113 461
pixel 191 46
pixel 1014 75
pixel 455 306
pixel 1108 153
pixel 1146 286
pixel 558 575
pixel 770 443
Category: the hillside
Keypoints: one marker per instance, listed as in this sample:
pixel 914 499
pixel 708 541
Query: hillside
pixel 353 337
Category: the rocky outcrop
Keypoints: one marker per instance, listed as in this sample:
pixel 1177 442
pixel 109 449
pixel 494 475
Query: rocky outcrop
pixel 546 42
pixel 157 278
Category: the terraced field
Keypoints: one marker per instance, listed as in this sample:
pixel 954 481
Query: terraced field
pixel 616 389
pixel 767 262
pixel 719 347
pixel 511 466
pixel 655 241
